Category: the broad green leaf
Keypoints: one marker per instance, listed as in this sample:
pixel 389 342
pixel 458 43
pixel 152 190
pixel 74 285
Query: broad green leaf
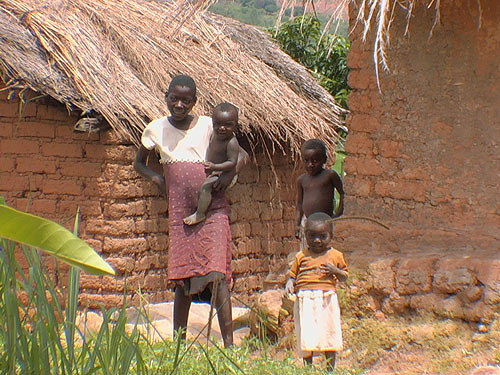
pixel 52 238
pixel 339 163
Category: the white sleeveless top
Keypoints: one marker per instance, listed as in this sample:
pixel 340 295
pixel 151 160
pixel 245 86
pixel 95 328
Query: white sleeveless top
pixel 178 145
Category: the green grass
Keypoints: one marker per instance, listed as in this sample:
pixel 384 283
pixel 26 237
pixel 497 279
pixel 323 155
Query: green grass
pixel 252 358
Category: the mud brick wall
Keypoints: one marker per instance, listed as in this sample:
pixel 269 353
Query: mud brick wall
pixel 451 285
pixel 423 157
pixel 49 170
pixel 424 152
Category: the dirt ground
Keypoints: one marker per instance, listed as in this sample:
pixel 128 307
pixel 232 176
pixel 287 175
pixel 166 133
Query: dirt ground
pixel 421 345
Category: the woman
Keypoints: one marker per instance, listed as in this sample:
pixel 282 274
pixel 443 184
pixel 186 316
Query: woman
pixel 199 256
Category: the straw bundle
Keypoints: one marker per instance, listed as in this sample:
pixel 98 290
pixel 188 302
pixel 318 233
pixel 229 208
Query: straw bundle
pixel 117 57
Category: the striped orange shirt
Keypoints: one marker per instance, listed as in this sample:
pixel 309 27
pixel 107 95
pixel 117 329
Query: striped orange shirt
pixel 306 271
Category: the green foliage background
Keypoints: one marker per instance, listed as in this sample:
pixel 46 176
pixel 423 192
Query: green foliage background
pixel 324 56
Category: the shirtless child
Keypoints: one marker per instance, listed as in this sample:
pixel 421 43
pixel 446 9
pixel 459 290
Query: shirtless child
pixel 316 188
pixel 222 155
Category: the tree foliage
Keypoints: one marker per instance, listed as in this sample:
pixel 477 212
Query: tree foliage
pixel 325 57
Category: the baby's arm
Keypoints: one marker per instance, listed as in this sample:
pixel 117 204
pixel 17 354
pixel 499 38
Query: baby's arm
pixel 337 184
pixel 299 210
pixel 233 148
pixel 225 179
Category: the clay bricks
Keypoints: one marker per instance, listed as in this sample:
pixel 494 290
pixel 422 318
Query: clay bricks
pixel 35 129
pixel 389 149
pixel 116 210
pixel 6 129
pixel 35 165
pixel 122 154
pixel 11 182
pixel 239 230
pixel 362 166
pixel 6 164
pixel 359 143
pixel 64 150
pixel 43 206
pixel 118 228
pixel 9 109
pixel 401 190
pixel 58 186
pixel 148 262
pixel 362 123
pixel 127 245
pixel 55 113
pixel 80 169
pixel 19 146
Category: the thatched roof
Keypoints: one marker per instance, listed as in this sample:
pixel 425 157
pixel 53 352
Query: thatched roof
pixel 117 57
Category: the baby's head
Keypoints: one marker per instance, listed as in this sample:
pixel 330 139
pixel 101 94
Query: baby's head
pixel 318 231
pixel 313 153
pixel 181 96
pixel 225 120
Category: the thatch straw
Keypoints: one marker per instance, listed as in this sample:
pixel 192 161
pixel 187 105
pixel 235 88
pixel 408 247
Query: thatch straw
pixel 117 57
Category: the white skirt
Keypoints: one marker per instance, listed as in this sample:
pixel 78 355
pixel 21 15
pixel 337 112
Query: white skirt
pixel 317 322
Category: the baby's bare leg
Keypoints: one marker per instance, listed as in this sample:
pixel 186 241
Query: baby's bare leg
pixel 204 200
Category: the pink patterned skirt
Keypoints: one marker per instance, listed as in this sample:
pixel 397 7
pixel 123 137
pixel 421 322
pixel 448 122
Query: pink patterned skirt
pixel 200 251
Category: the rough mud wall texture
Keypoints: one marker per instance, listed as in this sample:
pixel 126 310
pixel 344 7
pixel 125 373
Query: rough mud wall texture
pixel 49 170
pixel 448 285
pixel 424 152
pixel 423 158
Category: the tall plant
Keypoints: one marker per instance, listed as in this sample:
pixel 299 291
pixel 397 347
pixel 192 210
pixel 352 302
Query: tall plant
pixel 324 56
pixel 38 319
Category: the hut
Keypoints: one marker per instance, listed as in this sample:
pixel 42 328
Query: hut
pixel 103 66
pixel 423 154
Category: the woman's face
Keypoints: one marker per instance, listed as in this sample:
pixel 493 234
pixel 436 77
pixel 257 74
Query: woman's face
pixel 180 101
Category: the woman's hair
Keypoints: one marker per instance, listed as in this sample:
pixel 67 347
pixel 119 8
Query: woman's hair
pixel 183 81
pixel 314 144
pixel 227 107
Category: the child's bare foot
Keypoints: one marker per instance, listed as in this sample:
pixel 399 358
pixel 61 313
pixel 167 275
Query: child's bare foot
pixel 194 219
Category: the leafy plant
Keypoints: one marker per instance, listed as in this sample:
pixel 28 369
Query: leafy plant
pixel 325 56
pixel 38 318
pixel 52 238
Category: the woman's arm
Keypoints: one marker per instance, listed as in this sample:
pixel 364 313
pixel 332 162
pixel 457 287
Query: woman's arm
pixel 141 167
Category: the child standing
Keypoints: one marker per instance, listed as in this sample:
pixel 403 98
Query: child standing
pixel 313 276
pixel 222 156
pixel 316 188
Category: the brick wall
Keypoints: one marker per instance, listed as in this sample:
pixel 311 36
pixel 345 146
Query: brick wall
pixel 49 170
pixel 423 157
pixel 424 152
